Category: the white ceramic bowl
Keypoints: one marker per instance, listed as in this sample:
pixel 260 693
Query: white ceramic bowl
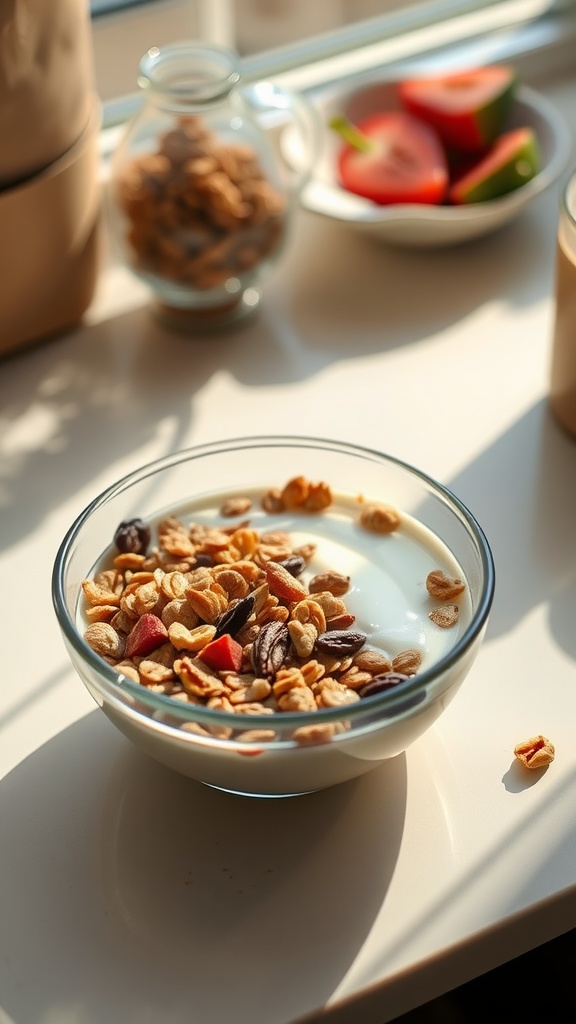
pixel 413 224
pixel 367 732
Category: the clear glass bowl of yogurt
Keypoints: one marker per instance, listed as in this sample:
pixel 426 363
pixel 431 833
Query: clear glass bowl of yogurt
pixel 274 615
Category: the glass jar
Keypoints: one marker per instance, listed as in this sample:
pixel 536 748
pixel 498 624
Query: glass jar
pixel 202 198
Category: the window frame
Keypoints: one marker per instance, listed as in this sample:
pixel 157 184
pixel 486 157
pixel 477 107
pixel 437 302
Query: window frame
pixel 456 32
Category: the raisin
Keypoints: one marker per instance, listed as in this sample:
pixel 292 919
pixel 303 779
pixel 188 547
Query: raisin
pixel 384 681
pixel 295 564
pixel 132 536
pixel 270 648
pixel 234 617
pixel 338 642
pixel 203 560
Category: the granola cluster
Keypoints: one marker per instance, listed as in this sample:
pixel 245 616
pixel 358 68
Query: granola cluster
pixel 535 752
pixel 199 211
pixel 221 616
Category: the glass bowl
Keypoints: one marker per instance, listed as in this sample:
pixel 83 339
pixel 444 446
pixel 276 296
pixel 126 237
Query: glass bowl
pixel 335 531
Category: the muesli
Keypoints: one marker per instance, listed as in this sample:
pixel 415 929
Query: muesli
pixel 239 619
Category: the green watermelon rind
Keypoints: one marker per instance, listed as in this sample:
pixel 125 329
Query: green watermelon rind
pixel 472 127
pixel 491 118
pixel 523 165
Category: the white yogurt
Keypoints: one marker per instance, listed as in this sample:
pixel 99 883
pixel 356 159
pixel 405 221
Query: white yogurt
pixel 389 599
pixel 387 594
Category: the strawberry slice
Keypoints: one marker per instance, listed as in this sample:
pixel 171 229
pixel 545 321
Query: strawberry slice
pixel 223 655
pixel 148 633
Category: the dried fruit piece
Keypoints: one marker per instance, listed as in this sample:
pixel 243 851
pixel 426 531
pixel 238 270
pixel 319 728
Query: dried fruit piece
pixel 132 535
pixel 342 621
pixel 282 584
pixel 536 752
pixel 148 632
pixel 270 648
pixel 381 682
pixel 339 642
pixel 224 654
pixel 442 587
pixel 232 620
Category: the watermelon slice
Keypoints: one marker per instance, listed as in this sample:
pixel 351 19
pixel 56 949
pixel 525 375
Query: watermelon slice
pixel 468 109
pixel 511 162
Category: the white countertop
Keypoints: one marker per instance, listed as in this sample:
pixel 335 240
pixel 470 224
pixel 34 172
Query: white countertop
pixel 130 894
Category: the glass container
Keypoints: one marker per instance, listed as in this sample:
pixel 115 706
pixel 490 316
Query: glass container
pixel 202 198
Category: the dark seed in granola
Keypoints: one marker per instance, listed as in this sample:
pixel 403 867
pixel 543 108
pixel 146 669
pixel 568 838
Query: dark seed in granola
pixel 295 564
pixel 339 642
pixel 381 682
pixel 232 620
pixel 203 559
pixel 270 648
pixel 132 536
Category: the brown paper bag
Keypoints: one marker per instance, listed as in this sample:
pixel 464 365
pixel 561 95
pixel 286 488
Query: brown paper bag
pixel 49 190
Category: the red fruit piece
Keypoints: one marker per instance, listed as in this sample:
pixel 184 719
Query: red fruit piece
pixel 392 157
pixel 468 109
pixel 513 160
pixel 223 655
pixel 148 633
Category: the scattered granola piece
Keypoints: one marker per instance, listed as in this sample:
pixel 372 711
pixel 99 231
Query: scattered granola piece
pixel 442 587
pixel 379 518
pixel 235 507
pixel 536 752
pixel 446 616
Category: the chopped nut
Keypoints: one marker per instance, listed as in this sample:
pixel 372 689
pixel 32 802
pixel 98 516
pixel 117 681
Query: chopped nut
pixel 303 636
pixel 334 582
pixel 373 661
pixel 208 604
pixel 407 662
pixel 235 506
pixel 442 587
pixel 379 518
pixel 185 639
pixel 446 616
pixel 299 698
pixel 333 694
pixel 272 501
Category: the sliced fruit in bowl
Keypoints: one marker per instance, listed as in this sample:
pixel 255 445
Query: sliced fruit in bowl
pixel 468 109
